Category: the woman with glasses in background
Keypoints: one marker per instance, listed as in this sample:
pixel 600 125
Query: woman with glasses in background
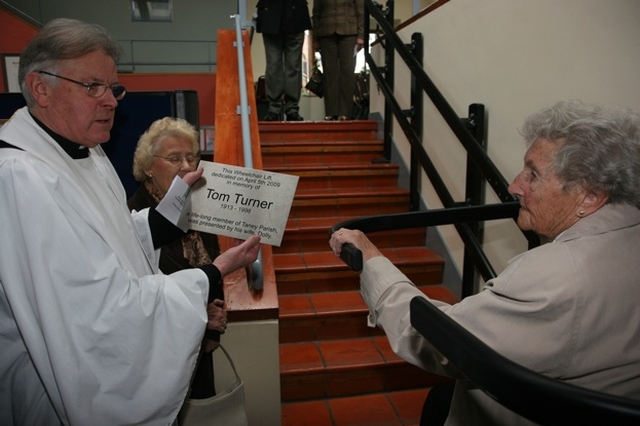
pixel 170 148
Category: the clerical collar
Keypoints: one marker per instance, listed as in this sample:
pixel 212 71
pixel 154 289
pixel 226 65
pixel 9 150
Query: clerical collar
pixel 74 150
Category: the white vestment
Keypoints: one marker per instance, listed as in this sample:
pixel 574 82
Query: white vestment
pixel 91 333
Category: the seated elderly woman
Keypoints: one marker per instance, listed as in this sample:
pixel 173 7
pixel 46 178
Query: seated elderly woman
pixel 568 309
pixel 170 148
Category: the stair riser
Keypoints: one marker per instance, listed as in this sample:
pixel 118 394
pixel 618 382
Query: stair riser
pixel 274 159
pixel 320 134
pixel 356 135
pixel 351 207
pixel 298 241
pixel 321 282
pixel 329 384
pixel 336 181
pixel 336 327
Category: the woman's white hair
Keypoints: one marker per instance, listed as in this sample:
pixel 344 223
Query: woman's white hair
pixel 598 148
pixel 148 143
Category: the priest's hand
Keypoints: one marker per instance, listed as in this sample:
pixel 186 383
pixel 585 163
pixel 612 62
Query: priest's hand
pixel 242 254
pixel 192 177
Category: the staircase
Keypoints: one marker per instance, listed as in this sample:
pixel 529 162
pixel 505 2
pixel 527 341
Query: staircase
pixel 334 370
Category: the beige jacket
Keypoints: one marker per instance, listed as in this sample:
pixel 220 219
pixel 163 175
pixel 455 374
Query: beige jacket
pixel 568 309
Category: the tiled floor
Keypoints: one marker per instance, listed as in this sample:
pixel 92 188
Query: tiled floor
pixel 400 408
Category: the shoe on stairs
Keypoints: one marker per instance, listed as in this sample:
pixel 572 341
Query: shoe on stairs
pixel 271 116
pixel 294 116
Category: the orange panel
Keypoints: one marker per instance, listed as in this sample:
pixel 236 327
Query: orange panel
pixel 203 83
pixel 243 304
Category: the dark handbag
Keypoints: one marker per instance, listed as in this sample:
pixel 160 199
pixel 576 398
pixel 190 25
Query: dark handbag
pixel 361 97
pixel 315 84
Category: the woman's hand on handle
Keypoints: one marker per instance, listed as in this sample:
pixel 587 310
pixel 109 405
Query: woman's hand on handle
pixel 358 239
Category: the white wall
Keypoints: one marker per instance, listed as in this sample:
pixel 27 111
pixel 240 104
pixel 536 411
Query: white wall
pixel 515 57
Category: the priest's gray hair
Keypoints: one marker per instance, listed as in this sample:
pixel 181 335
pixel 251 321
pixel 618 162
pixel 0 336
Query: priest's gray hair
pixel 598 147
pixel 62 39
pixel 150 142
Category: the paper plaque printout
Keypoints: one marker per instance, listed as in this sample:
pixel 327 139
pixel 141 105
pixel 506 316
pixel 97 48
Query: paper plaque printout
pixel 239 202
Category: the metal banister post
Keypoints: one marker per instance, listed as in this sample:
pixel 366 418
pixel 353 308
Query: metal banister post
pixel 389 54
pixel 474 193
pixel 417 96
pixel 243 109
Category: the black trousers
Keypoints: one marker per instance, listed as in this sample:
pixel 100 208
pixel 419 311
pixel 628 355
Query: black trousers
pixel 283 76
pixel 338 65
pixel 436 407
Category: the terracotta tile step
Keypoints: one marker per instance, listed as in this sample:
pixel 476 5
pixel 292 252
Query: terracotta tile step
pixel 318 130
pixel 332 176
pixel 333 169
pixel 336 152
pixel 337 368
pixel 389 408
pixel 336 315
pixel 349 203
pixel 318 272
pixel 312 234
pixel 344 195
pixel 320 145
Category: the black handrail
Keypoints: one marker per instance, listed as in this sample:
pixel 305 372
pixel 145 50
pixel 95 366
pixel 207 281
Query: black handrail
pixel 466 223
pixel 421 219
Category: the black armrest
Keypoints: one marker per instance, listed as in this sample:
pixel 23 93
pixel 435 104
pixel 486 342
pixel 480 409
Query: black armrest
pixel 538 398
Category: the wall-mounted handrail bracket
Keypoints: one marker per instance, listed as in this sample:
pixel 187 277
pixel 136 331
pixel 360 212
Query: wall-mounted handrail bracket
pixel 239 109
pixel 409 113
pixel 383 69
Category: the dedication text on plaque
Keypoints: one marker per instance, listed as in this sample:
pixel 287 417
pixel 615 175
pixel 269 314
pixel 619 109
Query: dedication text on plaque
pixel 239 202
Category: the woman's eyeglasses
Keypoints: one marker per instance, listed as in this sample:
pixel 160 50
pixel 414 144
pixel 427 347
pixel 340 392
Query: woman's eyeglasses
pixel 95 90
pixel 176 160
